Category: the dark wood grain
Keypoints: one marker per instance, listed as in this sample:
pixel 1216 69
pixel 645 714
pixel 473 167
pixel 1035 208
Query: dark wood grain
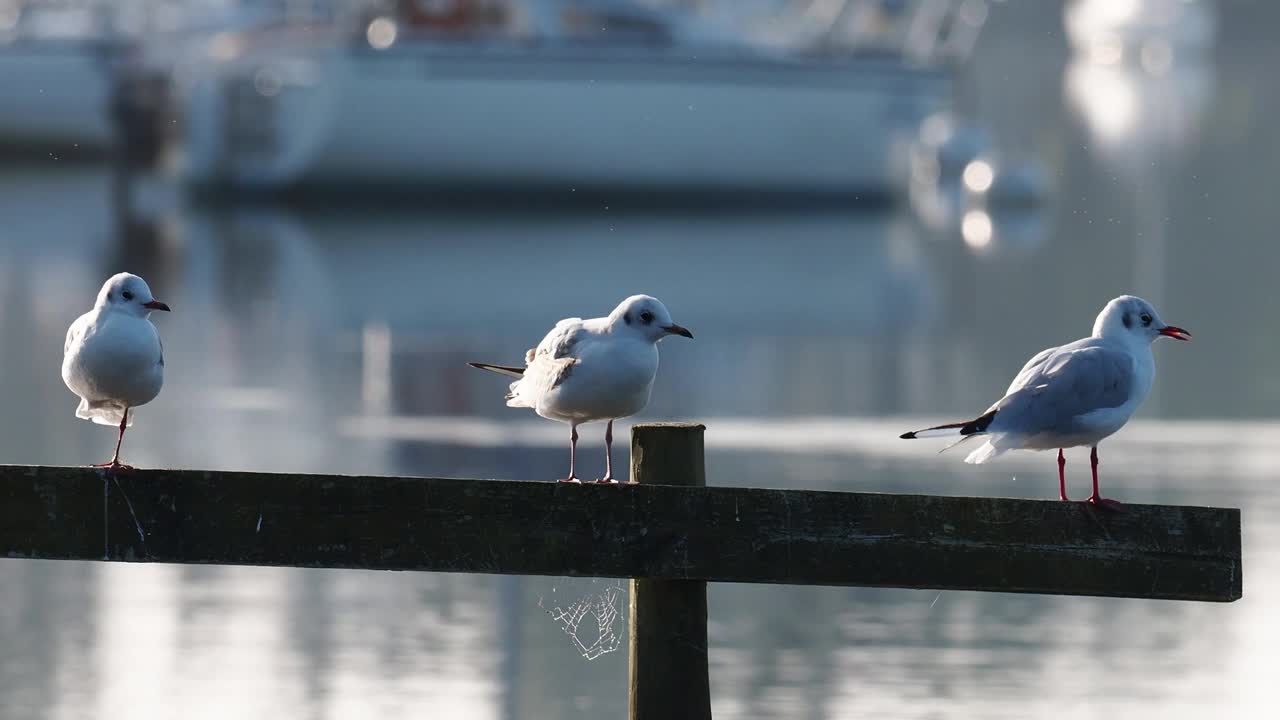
pixel 668 669
pixel 645 531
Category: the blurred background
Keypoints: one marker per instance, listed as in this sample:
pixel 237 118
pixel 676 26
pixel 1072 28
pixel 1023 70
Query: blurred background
pixel 870 213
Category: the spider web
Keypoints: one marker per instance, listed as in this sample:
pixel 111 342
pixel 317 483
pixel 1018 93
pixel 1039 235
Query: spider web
pixel 595 621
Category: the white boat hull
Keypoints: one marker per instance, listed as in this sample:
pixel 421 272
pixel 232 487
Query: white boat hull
pixel 55 99
pixel 558 120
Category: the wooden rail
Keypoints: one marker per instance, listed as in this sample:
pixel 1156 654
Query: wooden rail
pixel 723 534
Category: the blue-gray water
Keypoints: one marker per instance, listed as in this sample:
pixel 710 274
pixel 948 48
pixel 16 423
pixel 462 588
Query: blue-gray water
pixel 337 341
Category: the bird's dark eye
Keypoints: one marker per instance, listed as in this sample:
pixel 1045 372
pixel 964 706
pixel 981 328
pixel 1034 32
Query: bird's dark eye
pixel 1146 319
pixel 646 317
pixel 126 295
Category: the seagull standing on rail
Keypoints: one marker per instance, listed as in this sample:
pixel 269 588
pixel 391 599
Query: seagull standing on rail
pixel 1073 395
pixel 113 358
pixel 597 369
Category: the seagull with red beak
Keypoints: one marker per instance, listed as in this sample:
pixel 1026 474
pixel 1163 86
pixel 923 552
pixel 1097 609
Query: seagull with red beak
pixel 113 358
pixel 589 370
pixel 1073 395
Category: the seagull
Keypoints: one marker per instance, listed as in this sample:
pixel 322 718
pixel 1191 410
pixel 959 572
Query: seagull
pixel 113 358
pixel 1072 395
pixel 597 369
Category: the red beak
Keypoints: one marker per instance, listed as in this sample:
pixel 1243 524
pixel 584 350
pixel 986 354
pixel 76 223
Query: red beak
pixel 156 305
pixel 1175 332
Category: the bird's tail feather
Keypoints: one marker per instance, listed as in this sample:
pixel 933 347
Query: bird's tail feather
pixel 500 369
pixel 994 447
pixel 961 441
pixel 102 412
pixel 968 427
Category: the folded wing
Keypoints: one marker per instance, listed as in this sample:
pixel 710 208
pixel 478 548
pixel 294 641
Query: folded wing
pixel 1055 390
pixel 547 365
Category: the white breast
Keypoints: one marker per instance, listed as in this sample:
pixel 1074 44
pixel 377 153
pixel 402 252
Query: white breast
pixel 114 358
pixel 612 378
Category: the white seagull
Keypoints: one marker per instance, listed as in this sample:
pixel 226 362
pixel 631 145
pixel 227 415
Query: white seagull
pixel 597 369
pixel 113 358
pixel 1073 395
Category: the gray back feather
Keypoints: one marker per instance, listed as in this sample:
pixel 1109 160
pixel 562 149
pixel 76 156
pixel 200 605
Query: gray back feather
pixel 1061 384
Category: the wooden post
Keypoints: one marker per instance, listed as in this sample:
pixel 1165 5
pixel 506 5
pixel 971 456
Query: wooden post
pixel 669 675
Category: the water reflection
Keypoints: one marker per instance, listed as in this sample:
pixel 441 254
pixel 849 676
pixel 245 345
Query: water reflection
pixel 1141 80
pixel 959 189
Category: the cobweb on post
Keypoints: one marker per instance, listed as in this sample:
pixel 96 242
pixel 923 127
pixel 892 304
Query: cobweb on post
pixel 595 622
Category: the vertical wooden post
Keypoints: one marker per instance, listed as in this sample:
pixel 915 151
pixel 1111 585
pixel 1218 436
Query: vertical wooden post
pixel 669 677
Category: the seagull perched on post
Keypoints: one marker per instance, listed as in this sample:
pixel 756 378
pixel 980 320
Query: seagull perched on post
pixel 113 358
pixel 1073 395
pixel 597 369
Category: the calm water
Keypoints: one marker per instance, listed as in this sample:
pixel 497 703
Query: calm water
pixel 335 341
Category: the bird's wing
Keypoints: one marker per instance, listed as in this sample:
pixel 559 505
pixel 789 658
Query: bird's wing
pixel 75 332
pixel 548 364
pixel 1070 382
pixel 558 343
pixel 1029 370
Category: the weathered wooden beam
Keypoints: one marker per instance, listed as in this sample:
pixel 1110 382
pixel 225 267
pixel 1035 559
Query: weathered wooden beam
pixel 636 531
pixel 669 676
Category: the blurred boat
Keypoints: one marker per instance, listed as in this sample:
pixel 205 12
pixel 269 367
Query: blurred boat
pixel 1146 31
pixel 573 96
pixel 52 70
pixel 83 76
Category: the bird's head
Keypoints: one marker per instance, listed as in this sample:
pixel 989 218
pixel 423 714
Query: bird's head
pixel 125 292
pixel 1135 320
pixel 645 316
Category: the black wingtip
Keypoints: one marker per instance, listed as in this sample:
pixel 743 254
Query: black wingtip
pixel 907 436
pixel 478 366
pixel 979 424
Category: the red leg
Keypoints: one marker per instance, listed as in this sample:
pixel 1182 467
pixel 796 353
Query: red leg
pixel 573 454
pixel 608 455
pixel 1095 499
pixel 115 463
pixel 1062 477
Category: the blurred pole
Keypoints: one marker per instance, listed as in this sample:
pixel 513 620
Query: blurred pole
pixel 137 108
pixel 375 355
